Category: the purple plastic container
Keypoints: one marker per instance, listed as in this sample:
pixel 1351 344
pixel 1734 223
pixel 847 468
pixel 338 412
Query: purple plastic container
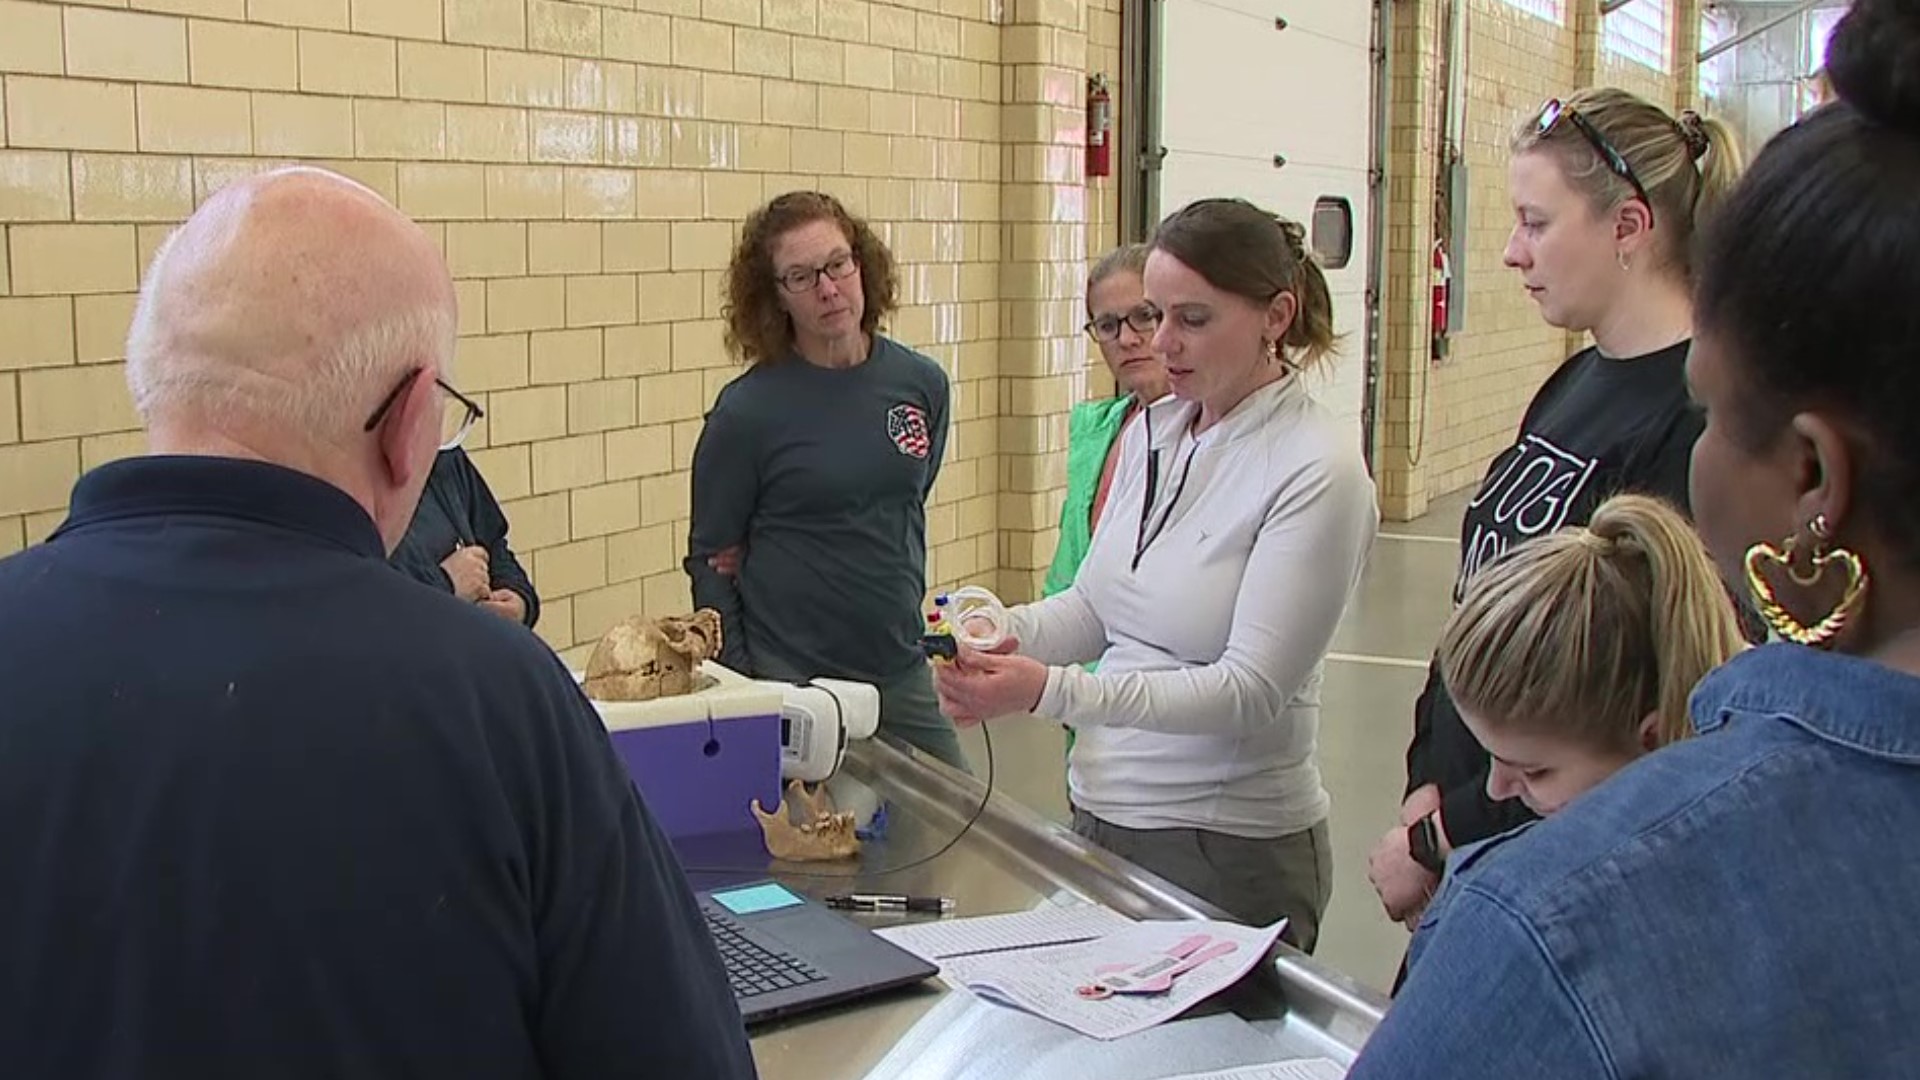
pixel 702 759
pixel 699 778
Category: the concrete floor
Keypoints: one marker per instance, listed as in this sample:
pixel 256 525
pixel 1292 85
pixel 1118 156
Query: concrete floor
pixel 1375 672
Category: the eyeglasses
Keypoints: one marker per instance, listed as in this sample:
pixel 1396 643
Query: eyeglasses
pixel 1143 319
pixel 1556 110
pixel 458 412
pixel 801 278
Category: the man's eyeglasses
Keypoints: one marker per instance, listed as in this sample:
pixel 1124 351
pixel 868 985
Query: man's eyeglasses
pixel 1556 110
pixel 458 412
pixel 1144 319
pixel 801 278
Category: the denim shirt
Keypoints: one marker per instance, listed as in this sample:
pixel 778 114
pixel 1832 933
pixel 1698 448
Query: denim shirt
pixel 1460 865
pixel 1737 905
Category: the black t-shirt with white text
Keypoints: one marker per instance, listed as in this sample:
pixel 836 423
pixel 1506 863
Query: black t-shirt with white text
pixel 1600 426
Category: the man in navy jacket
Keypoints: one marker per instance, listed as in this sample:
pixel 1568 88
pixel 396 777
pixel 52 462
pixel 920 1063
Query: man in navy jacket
pixel 268 808
pixel 458 542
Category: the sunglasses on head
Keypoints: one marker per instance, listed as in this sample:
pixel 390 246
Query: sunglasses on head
pixel 1556 110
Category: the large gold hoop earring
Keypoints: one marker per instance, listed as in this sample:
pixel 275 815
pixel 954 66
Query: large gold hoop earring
pixel 1822 557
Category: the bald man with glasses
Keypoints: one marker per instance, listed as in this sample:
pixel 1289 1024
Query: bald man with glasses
pixel 267 808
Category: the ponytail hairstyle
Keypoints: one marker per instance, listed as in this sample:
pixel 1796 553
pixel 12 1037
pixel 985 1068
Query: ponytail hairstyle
pixel 1687 164
pixel 1583 633
pixel 1244 250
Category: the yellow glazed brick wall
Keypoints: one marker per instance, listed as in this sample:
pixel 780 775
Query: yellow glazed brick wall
pixel 1442 423
pixel 1035 445
pixel 584 167
pixel 1506 351
pixel 1048 236
pixel 1686 52
pixel 1403 425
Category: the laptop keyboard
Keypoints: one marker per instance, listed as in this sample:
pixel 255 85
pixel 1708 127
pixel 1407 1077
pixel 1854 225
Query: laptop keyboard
pixel 751 969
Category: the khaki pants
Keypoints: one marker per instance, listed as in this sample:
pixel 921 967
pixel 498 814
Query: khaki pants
pixel 1255 881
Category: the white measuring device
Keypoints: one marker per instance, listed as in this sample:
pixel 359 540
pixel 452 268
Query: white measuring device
pixel 817 720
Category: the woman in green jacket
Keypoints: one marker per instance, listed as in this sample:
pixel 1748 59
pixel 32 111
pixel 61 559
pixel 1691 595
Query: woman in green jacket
pixel 1120 322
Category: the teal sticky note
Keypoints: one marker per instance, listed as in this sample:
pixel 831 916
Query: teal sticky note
pixel 757 898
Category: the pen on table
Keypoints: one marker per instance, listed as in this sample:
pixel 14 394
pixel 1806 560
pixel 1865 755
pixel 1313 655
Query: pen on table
pixel 890 902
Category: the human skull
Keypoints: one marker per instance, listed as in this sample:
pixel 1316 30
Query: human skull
pixel 645 658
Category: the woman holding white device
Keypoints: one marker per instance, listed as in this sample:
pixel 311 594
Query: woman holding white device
pixel 1240 516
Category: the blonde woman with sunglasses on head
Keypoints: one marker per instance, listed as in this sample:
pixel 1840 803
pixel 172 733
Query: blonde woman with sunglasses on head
pixel 1607 193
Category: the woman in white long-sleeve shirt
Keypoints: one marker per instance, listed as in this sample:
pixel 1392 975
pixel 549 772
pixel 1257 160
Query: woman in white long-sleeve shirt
pixel 1240 515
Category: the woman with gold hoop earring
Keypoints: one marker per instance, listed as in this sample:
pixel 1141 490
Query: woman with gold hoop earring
pixel 1809 573
pixel 1740 904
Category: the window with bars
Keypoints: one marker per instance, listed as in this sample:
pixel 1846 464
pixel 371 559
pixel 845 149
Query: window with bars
pixel 1553 11
pixel 1819 31
pixel 1638 32
pixel 1716 74
pixel 1820 24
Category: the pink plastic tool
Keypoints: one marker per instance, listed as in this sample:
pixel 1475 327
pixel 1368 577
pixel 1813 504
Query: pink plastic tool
pixel 1156 975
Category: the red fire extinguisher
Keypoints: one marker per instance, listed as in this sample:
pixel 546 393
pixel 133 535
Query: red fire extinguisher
pixel 1442 286
pixel 1099 127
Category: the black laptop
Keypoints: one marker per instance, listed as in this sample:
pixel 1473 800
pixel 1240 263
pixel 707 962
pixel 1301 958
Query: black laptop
pixel 787 954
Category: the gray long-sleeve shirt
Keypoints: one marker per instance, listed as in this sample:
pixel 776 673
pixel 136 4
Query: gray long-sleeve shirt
pixel 822 475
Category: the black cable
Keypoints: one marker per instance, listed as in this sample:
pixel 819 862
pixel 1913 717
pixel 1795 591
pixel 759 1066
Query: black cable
pixel 985 734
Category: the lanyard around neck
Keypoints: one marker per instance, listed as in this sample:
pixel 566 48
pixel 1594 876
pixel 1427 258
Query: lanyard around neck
pixel 1144 538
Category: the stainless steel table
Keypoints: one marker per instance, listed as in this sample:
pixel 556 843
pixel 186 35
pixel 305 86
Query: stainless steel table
pixel 1012 859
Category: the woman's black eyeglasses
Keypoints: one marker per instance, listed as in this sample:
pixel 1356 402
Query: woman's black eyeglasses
pixel 1144 319
pixel 457 418
pixel 801 278
pixel 1556 110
